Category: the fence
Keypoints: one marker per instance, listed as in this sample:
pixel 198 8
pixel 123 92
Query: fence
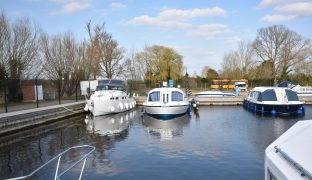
pixel 16 94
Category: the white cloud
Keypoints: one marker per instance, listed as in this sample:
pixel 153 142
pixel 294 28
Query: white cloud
pixel 176 18
pixel 286 10
pixel 234 39
pixel 272 3
pixel 117 5
pixel 299 8
pixel 70 6
pixel 277 18
pixel 152 21
pixel 191 13
pixel 208 31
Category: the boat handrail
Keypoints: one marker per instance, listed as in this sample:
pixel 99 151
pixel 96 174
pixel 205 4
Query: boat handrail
pixel 302 170
pixel 57 174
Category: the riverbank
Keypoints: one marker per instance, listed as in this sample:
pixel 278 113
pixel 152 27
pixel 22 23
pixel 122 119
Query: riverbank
pixel 18 120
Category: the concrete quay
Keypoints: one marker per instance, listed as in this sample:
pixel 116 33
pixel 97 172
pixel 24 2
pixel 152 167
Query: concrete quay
pixel 18 120
pixel 221 101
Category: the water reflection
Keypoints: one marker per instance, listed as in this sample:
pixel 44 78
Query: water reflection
pixel 111 124
pixel 166 129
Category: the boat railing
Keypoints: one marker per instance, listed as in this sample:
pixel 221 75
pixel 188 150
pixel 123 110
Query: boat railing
pixel 58 158
pixel 301 169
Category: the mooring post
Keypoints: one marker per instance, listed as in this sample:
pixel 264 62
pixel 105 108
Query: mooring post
pixel 5 96
pixel 76 92
pixel 59 90
pixel 37 99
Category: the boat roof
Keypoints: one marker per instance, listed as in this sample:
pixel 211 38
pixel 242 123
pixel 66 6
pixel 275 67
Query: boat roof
pixel 166 89
pixel 262 89
pixel 211 92
pixel 297 145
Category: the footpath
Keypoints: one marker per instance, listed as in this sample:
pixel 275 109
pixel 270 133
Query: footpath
pixel 26 116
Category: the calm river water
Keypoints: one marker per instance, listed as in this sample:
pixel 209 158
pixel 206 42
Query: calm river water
pixel 220 142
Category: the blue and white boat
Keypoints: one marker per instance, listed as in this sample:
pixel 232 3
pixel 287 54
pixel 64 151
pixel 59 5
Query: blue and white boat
pixel 166 103
pixel 275 100
pixel 213 93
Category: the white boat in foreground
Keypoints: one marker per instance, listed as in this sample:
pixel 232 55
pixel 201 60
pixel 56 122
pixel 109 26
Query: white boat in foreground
pixel 110 97
pixel 214 93
pixel 166 103
pixel 289 156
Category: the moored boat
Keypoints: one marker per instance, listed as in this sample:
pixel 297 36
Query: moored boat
pixel 288 156
pixel 303 90
pixel 166 102
pixel 110 97
pixel 274 100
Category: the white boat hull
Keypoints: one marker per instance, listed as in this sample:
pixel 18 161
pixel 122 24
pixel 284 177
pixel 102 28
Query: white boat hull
pixel 109 102
pixel 170 110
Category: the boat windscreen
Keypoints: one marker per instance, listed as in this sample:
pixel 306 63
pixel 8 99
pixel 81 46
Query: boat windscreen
pixel 291 95
pixel 109 87
pixel 176 96
pixel 154 96
pixel 267 95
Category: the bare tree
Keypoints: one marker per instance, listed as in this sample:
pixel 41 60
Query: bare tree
pixel 63 61
pixel 231 66
pixel 104 52
pixel 19 47
pixel 283 47
pixel 245 57
pixel 4 45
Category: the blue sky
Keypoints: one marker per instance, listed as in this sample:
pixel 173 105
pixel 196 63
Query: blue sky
pixel 200 30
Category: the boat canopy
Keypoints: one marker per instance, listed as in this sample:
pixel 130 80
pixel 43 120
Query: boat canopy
pixel 269 94
pixel 111 84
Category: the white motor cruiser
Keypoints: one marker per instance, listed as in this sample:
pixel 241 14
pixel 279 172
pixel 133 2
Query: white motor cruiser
pixel 109 97
pixel 166 103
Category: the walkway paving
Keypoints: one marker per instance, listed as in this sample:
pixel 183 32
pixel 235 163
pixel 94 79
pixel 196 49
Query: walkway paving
pixel 33 105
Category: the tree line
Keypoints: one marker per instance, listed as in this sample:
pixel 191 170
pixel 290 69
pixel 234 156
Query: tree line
pixel 276 54
pixel 27 52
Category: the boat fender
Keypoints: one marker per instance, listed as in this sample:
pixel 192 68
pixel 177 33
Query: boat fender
pixel 262 109
pixel 120 106
pixel 126 105
pixel 86 108
pixel 273 112
pixel 112 109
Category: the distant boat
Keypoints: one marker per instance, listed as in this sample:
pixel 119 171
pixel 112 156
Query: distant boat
pixel 302 90
pixel 214 93
pixel 110 97
pixel 275 100
pixel 288 157
pixel 166 102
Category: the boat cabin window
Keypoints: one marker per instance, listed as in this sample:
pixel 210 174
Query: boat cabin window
pixel 108 87
pixel 291 95
pixel 154 96
pixel 176 96
pixel 267 95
